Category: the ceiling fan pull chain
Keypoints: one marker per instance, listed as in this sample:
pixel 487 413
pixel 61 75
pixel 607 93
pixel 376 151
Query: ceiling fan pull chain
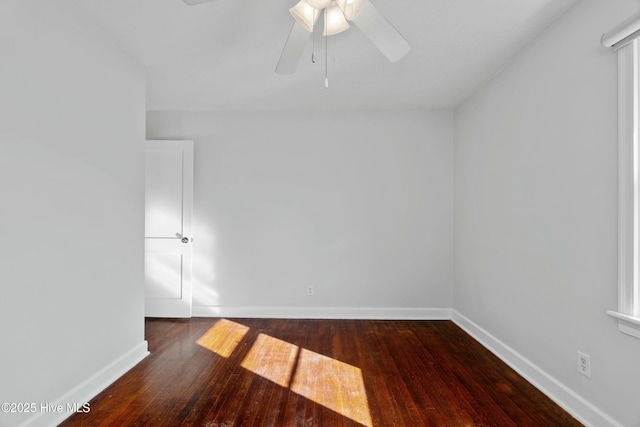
pixel 313 40
pixel 334 48
pixel 326 55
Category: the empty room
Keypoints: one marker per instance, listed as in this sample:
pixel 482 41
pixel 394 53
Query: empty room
pixel 319 213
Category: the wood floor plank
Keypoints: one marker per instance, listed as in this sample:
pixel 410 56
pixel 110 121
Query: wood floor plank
pixel 311 373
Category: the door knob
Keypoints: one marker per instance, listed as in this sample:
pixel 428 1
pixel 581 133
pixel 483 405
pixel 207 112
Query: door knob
pixel 185 240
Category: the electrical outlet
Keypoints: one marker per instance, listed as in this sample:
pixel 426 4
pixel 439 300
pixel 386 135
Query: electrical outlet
pixel 584 364
pixel 309 290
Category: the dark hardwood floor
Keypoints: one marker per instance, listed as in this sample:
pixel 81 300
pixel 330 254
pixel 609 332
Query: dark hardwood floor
pixel 269 372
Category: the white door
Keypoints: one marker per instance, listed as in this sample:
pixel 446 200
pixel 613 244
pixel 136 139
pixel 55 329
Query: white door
pixel 168 211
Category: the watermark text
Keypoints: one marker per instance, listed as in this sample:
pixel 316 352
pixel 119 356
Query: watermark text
pixel 50 408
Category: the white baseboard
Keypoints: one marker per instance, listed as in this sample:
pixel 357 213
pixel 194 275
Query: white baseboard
pixel 579 408
pixel 91 387
pixel 324 313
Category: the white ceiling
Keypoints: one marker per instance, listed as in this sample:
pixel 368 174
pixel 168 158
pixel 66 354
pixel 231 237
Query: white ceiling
pixel 222 55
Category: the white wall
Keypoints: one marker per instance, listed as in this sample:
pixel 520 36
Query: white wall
pixel 358 205
pixel 71 216
pixel 536 211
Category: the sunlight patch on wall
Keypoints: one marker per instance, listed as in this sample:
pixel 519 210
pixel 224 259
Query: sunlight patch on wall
pixel 163 275
pixel 204 270
pixel 272 359
pixel 223 337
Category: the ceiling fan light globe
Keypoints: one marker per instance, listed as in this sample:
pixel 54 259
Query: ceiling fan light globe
pixel 351 8
pixel 319 4
pixel 335 21
pixel 305 15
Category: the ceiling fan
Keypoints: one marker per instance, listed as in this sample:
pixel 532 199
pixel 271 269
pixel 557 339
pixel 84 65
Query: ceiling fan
pixel 336 16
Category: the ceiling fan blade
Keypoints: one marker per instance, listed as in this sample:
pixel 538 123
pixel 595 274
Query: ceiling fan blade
pixel 195 2
pixel 292 50
pixel 382 33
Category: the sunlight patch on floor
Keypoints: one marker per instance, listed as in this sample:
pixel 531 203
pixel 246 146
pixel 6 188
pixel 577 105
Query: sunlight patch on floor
pixel 333 384
pixel 272 359
pixel 223 337
pixel 326 381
